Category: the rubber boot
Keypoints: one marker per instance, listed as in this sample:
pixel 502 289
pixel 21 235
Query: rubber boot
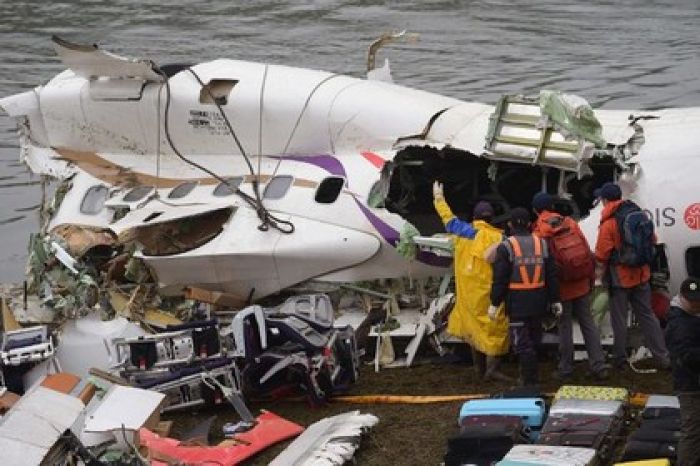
pixel 529 370
pixel 492 372
pixel 479 360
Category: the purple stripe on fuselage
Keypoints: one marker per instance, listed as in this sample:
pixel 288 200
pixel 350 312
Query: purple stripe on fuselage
pixel 327 162
pixel 390 235
pixel 333 166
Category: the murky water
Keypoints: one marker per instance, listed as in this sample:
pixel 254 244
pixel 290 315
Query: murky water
pixel 616 54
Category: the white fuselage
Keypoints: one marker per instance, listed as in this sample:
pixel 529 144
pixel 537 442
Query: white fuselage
pixel 309 125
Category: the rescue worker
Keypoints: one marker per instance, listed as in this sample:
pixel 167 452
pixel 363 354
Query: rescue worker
pixel 524 277
pixel 683 339
pixel 628 285
pixel 473 275
pixel 575 292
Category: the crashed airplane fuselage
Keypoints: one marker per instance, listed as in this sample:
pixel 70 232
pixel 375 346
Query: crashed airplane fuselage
pixel 250 178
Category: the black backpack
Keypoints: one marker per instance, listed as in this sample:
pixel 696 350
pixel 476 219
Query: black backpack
pixel 636 234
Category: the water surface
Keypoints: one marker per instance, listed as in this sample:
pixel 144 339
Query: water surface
pixel 616 54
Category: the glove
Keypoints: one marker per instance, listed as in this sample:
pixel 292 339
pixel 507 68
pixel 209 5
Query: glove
pixel 437 191
pixel 493 311
pixel 557 309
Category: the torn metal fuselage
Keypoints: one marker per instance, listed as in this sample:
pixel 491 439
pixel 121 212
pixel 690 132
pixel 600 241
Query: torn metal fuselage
pixel 331 157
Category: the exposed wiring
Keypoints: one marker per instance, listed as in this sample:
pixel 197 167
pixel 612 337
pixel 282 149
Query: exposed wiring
pixel 267 218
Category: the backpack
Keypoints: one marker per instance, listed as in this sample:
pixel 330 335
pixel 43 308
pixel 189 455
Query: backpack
pixel 571 253
pixel 636 235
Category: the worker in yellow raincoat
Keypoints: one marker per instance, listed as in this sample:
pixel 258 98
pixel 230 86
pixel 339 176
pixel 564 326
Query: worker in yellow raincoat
pixel 469 320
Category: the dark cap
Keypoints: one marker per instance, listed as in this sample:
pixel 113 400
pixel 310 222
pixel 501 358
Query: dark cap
pixel 609 191
pixel 542 201
pixel 483 210
pixel 690 289
pixel 520 217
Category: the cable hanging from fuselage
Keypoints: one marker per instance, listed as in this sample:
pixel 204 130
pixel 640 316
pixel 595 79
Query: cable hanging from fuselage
pixel 266 217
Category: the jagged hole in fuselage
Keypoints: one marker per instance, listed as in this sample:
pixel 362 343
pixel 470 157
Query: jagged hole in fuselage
pixel 468 179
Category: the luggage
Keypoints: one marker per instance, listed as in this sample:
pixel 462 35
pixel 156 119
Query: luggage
pixel 532 455
pixel 592 407
pixel 661 413
pixel 584 438
pixel 659 432
pixel 662 401
pixel 578 422
pixel 484 439
pixel 668 423
pixel 531 410
pixel 654 462
pixel 488 420
pixel 640 450
pixel 519 392
pixel 646 434
pixel 581 430
pixel 582 392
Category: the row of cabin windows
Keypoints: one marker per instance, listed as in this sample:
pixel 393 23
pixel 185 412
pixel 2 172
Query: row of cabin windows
pixel 327 192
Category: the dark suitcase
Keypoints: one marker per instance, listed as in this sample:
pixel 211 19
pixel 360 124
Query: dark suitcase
pixel 668 423
pixel 495 419
pixel 520 392
pixel 484 439
pixel 581 430
pixel 588 439
pixel 654 435
pixel 642 450
pixel 579 422
pixel 661 413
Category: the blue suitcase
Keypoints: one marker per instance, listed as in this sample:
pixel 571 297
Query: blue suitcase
pixel 530 410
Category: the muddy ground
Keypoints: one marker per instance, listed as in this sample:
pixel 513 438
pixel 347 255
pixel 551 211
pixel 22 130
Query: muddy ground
pixel 417 434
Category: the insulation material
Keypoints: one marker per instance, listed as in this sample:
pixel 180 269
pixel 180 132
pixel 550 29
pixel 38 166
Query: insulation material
pixel 573 115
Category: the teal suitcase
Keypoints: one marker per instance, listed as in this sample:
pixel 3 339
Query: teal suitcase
pixel 530 410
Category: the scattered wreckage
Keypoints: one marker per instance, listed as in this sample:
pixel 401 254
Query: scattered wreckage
pixel 189 195
pixel 194 364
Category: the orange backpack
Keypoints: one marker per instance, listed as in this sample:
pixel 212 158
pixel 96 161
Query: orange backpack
pixel 570 251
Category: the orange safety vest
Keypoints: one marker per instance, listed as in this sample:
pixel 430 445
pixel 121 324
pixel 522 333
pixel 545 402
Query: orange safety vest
pixel 528 261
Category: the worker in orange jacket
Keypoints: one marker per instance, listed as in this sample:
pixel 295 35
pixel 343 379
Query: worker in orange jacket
pixel 628 285
pixel 574 293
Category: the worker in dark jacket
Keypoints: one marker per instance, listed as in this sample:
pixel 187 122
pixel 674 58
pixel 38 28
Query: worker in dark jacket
pixel 524 277
pixel 683 341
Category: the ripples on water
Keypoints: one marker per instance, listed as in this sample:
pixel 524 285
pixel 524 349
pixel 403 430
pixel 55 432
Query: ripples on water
pixel 616 54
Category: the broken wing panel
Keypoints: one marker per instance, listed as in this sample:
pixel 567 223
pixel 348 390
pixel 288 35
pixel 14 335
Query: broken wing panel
pixel 89 62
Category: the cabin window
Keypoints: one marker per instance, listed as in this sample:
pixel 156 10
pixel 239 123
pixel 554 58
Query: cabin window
pixel 137 193
pixel 277 187
pixel 182 190
pixel 329 189
pixel 94 200
pixel 228 188
pixel 692 261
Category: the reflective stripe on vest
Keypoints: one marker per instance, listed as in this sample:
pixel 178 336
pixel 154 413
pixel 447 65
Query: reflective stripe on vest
pixel 528 262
